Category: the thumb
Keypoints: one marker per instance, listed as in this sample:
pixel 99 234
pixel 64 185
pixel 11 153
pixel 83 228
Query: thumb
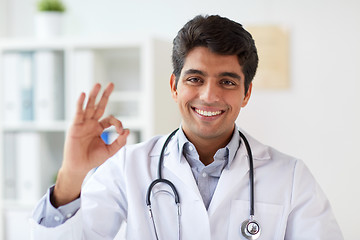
pixel 119 142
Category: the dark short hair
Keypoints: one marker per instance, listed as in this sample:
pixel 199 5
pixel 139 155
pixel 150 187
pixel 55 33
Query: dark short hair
pixel 220 35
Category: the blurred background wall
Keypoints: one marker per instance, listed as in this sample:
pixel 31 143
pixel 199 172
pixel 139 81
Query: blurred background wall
pixel 316 119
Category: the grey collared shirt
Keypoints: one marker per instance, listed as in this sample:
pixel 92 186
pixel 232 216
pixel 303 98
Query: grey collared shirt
pixel 207 177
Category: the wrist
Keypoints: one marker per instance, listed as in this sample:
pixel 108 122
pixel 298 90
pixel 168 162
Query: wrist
pixel 67 187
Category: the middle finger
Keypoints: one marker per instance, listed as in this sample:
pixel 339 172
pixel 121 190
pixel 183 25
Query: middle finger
pixel 90 106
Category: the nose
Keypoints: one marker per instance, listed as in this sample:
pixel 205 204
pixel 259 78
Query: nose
pixel 210 92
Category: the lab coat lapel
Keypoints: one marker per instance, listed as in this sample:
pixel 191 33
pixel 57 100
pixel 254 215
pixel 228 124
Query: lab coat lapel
pixel 179 172
pixel 182 172
pixel 229 178
pixel 239 168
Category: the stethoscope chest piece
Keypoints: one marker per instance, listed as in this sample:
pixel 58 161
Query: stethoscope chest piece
pixel 250 229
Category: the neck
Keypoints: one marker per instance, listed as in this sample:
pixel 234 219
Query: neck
pixel 207 147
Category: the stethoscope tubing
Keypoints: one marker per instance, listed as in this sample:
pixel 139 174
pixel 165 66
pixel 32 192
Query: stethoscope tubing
pixel 161 159
pixel 160 179
pixel 251 174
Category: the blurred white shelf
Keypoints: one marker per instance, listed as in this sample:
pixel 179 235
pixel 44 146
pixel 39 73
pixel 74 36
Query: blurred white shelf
pixel 17 205
pixel 140 70
pixel 75 43
pixel 123 96
pixel 59 126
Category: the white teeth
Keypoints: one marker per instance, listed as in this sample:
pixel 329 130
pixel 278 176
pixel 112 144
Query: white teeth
pixel 207 113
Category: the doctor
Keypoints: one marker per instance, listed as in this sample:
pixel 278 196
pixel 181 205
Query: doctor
pixel 214 61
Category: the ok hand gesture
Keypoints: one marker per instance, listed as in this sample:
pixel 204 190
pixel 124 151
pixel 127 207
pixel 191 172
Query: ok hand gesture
pixel 84 149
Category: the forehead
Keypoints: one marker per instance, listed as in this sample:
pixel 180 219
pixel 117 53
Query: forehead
pixel 201 58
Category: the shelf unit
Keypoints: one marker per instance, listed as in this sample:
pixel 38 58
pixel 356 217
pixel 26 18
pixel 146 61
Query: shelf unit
pixel 142 100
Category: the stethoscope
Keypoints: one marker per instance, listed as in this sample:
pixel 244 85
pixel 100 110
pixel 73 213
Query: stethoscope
pixel 250 228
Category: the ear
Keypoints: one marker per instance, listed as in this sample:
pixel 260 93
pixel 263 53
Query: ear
pixel 247 96
pixel 173 87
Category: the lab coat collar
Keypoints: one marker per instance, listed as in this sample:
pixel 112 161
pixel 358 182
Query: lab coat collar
pixel 228 178
pixel 260 152
pixel 231 148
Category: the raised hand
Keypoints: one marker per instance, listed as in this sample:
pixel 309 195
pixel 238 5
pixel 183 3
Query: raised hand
pixel 84 149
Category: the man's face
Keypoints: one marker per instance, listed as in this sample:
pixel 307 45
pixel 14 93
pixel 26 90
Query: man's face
pixel 210 93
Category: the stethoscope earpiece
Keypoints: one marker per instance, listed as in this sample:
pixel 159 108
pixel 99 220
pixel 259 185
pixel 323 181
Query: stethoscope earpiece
pixel 250 229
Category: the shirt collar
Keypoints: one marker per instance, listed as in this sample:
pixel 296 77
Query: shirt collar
pixel 232 147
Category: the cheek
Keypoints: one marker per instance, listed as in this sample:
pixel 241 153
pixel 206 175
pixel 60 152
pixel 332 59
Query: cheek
pixel 235 102
pixel 185 95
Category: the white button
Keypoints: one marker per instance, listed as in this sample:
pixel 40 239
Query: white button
pixel 57 218
pixel 69 215
pixel 204 174
pixel 191 148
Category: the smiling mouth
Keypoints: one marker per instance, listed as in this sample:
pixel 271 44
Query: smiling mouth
pixel 208 113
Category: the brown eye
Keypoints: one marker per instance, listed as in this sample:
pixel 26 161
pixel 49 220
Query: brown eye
pixel 194 80
pixel 228 83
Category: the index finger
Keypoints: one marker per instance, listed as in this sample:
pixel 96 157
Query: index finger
pixel 79 115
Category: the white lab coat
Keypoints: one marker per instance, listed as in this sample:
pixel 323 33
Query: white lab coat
pixel 288 202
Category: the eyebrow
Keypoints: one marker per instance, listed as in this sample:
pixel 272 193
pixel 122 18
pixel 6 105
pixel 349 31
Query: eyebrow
pixel 230 74
pixel 223 74
pixel 195 71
